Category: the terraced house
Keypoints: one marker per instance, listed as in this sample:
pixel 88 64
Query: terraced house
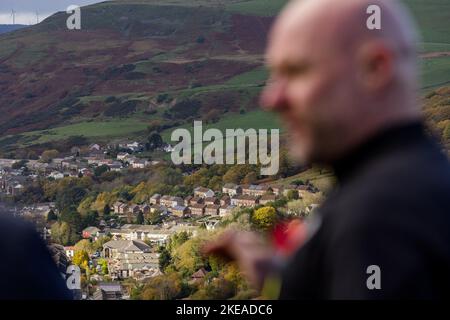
pixel 157 234
pixel 130 258
pixel 244 200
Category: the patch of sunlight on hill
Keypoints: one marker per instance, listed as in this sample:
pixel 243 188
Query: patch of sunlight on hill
pixel 257 7
pixel 322 178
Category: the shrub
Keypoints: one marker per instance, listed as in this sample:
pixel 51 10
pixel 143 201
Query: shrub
pixel 201 39
pixel 185 108
pixel 110 99
pixel 121 109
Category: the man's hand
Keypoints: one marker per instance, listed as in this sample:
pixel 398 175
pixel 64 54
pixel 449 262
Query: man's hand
pixel 253 255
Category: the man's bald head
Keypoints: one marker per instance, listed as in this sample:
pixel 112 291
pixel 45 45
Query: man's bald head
pixel 334 81
pixel 343 23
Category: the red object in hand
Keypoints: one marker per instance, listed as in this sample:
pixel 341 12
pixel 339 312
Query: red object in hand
pixel 287 237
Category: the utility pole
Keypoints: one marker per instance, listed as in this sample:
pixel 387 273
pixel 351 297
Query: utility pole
pixel 37 17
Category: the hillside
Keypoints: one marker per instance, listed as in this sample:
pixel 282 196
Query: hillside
pixel 133 59
pixel 137 63
pixel 4 28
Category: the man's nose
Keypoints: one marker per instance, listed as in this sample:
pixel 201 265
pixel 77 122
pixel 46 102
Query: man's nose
pixel 273 97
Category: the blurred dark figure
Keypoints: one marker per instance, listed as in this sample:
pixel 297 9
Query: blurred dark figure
pixel 27 270
pixel 349 98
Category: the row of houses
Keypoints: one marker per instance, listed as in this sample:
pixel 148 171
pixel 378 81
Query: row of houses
pixel 129 253
pixel 135 162
pixel 194 206
pixel 130 258
pixel 158 234
pixel 155 234
pixel 122 208
pixel 204 201
pixel 12 185
pixel 262 189
pixel 178 206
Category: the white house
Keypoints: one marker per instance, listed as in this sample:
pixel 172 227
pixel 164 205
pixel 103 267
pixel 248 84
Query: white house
pixel 168 148
pixel 70 251
pixel 56 175
pixel 203 192
pixel 122 155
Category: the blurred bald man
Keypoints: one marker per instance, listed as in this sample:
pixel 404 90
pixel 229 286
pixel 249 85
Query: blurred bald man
pixel 349 98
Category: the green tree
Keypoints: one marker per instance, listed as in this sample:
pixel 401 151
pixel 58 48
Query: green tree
pixel 72 217
pixel 90 219
pixel 125 195
pixel 69 196
pixel 97 245
pixel 446 133
pixel 81 259
pixel 140 218
pixel 298 182
pixel 155 141
pixel 106 210
pixel 164 287
pixel 153 217
pixel 48 155
pixel 103 199
pixel 98 171
pixel 32 155
pixel 164 258
pixel 62 233
pixel 287 167
pixel 250 178
pixel 177 240
pixel 84 245
pixel 217 289
pixel 19 164
pixel 187 257
pixel 85 205
pixel 32 193
pixel 233 175
pixel 104 265
pixel 292 195
pixel 51 216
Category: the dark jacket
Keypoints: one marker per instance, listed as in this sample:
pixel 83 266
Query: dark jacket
pixel 391 210
pixel 27 271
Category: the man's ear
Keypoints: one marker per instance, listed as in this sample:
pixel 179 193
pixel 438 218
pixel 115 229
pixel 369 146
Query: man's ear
pixel 375 65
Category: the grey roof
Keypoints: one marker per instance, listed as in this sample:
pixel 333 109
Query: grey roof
pixel 230 186
pixel 244 197
pixel 202 189
pixel 198 205
pixel 91 229
pixel 268 197
pixel 110 287
pixel 127 245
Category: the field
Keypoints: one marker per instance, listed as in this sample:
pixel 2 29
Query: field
pixel 257 7
pixel 116 128
pixel 255 119
pixel 433 18
pixel 255 76
pixel 112 128
pixel 321 178
pixel 435 72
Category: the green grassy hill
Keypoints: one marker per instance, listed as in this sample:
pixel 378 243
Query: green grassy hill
pixel 138 61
